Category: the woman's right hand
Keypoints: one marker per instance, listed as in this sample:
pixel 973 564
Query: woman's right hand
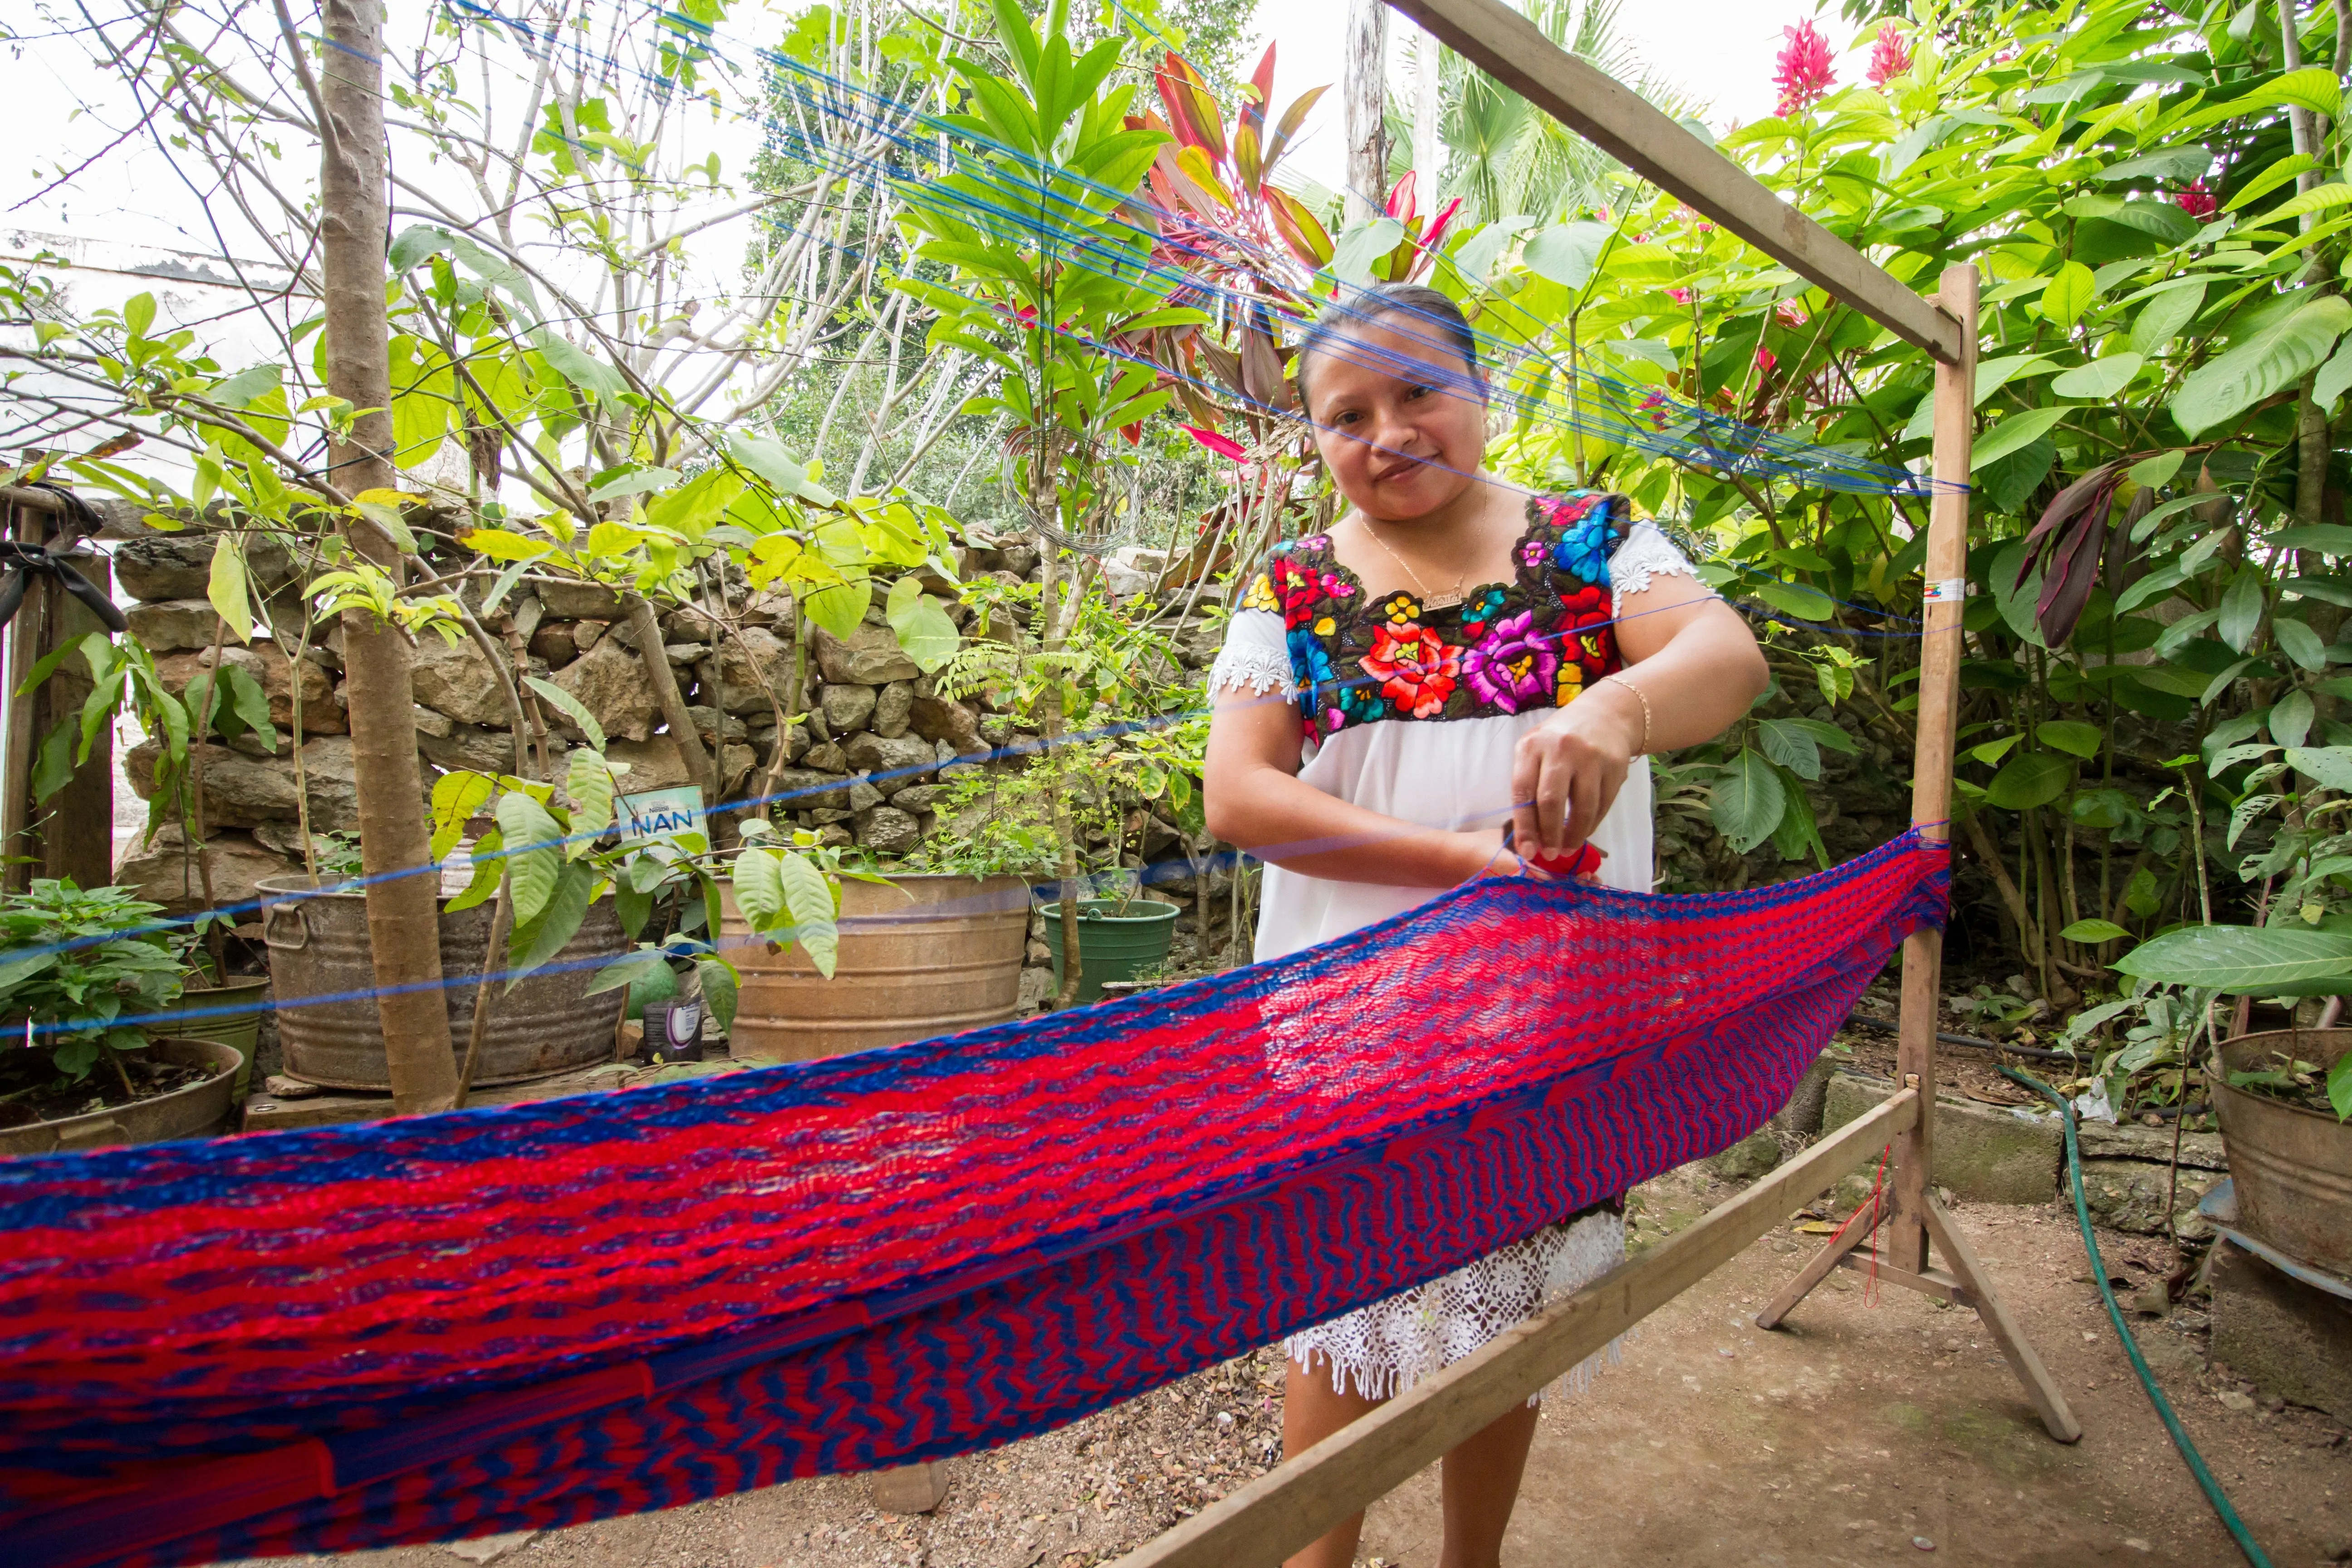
pixel 1484 855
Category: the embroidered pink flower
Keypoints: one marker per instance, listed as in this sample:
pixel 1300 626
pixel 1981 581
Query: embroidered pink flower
pixel 1514 667
pixel 2196 201
pixel 1891 57
pixel 1416 669
pixel 1803 68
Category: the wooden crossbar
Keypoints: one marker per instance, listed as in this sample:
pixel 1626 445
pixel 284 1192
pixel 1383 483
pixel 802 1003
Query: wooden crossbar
pixel 1587 100
pixel 1299 1500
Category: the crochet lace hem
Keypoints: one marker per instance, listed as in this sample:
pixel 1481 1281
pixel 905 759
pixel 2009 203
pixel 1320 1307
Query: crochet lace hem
pixel 1251 672
pixel 1382 1349
pixel 1646 553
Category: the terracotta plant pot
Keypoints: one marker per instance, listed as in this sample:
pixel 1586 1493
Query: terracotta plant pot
pixel 199 1110
pixel 2291 1167
pixel 919 957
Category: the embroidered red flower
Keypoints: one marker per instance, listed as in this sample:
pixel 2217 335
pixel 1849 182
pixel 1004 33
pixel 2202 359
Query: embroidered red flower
pixel 1416 669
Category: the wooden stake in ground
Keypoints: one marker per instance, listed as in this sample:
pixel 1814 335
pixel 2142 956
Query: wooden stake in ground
pixel 404 911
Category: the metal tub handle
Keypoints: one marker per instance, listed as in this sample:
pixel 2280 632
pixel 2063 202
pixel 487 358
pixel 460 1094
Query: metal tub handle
pixel 269 931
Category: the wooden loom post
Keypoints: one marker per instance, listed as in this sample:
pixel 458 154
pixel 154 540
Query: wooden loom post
pixel 1945 598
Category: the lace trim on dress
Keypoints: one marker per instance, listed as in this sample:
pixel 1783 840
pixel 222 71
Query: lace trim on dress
pixel 1251 672
pixel 1646 553
pixel 1384 1349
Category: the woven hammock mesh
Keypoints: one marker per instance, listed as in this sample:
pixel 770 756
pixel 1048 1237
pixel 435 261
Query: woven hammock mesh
pixel 539 1314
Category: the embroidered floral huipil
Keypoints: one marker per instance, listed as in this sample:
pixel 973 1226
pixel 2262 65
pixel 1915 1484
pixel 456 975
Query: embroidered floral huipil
pixel 1414 712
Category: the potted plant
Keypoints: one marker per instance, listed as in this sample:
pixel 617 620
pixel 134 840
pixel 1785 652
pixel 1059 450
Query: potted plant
pixel 2283 1098
pixel 86 1067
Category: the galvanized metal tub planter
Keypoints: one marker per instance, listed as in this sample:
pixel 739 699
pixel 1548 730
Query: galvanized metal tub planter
pixel 920 955
pixel 197 1111
pixel 319 947
pixel 2291 1167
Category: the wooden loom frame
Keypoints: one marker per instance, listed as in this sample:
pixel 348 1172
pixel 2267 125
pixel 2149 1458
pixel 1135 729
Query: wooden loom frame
pixel 1300 1499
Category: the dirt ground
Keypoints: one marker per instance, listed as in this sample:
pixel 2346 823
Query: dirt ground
pixel 1875 1427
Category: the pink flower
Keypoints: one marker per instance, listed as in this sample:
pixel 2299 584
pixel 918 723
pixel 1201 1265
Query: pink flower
pixel 1679 296
pixel 1765 360
pixel 2196 201
pixel 1890 57
pixel 1653 408
pixel 1791 314
pixel 1802 72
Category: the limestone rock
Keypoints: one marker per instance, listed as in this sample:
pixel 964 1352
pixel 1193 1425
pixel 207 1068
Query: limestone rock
pixel 805 789
pixel 1751 1157
pixel 936 719
pixel 714 726
pixel 863 795
pixel 654 763
pixel 734 675
pixel 553 642
pixel 611 682
pixel 920 797
pixel 471 746
pixel 847 707
pixel 586 635
pixel 735 765
pixel 827 757
pixel 681 655
pixel 886 830
pixel 428 722
pixel 161 874
pixel 893 708
pixel 457 679
pixel 2128 1194
pixel 173 624
pixel 894 764
pixel 997 732
pixel 871 657
pixel 245 791
pixel 179 566
pixel 570 599
pixel 321 715
pixel 832 835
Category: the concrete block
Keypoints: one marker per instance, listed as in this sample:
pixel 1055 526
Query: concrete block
pixel 2286 1338
pixel 1983 1155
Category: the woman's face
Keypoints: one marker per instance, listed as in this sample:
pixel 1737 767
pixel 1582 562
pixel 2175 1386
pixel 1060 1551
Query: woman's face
pixel 1396 418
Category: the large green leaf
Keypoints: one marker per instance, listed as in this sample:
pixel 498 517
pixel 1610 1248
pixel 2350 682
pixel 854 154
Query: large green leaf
pixel 2028 780
pixel 533 945
pixel 571 706
pixel 588 782
pixel 2330 765
pixel 2245 959
pixel 759 891
pixel 2299 643
pixel 1567 254
pixel 2265 363
pixel 839 608
pixel 924 630
pixel 2242 607
pixel 1363 245
pixel 2162 318
pixel 227 588
pixel 720 988
pixel 2327 538
pixel 1748 800
pixel 2068 294
pixel 579 367
pixel 2017 430
pixel 2071 736
pixel 531 836
pixel 1792 748
pixel 1798 599
pixel 2101 378
pixel 808 896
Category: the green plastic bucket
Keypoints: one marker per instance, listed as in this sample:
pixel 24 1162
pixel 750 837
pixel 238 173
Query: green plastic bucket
pixel 1117 940
pixel 230 1013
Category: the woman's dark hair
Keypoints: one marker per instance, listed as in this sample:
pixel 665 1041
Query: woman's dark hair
pixel 1425 305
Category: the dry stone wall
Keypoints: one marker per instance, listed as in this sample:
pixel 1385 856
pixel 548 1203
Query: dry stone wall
pixel 864 767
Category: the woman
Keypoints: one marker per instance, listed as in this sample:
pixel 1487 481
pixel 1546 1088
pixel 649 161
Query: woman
pixel 1450 651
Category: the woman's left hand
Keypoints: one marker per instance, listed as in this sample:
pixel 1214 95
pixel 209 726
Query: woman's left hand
pixel 1566 774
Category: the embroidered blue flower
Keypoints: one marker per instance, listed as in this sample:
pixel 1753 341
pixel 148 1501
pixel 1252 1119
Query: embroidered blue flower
pixel 1583 547
pixel 1310 660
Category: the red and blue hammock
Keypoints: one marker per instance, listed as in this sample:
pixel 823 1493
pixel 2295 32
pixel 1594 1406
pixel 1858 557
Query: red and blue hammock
pixel 541 1314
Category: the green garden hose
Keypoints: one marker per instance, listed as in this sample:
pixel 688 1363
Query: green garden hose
pixel 2214 1492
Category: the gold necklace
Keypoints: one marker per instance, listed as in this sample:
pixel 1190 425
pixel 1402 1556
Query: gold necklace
pixel 1428 601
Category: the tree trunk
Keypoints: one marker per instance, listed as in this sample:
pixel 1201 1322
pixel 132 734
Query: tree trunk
pixel 404 910
pixel 1364 91
pixel 1427 107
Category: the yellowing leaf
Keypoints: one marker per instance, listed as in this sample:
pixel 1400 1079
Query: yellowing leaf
pixel 226 589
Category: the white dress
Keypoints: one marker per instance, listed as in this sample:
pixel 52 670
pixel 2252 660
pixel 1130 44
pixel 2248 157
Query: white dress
pixel 1432 746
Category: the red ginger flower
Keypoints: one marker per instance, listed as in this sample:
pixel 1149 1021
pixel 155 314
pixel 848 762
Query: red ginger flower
pixel 1802 72
pixel 2196 201
pixel 1890 57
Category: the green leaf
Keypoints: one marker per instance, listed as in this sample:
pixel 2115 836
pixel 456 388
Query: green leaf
pixel 720 989
pixel 139 314
pixel 576 365
pixel 924 630
pixel 2091 931
pixel 489 865
pixel 2030 779
pixel 759 888
pixel 2330 765
pixel 1362 247
pixel 2071 736
pixel 2319 198
pixel 1798 599
pixel 2162 318
pixel 2068 294
pixel 53 769
pixel 2156 472
pixel 588 784
pixel 1824 734
pixel 2242 608
pixel 226 589
pixel 457 796
pixel 2299 643
pixel 2101 378
pixel 810 899
pixel 2327 538
pixel 567 905
pixel 531 836
pixel 1790 747
pixel 625 971
pixel 2017 430
pixel 2267 361
pixel 840 608
pixel 2333 378
pixel 417 242
pixel 571 706
pixel 1567 254
pixel 2313 87
pixel 15 970
pixel 1748 800
pixel 2247 960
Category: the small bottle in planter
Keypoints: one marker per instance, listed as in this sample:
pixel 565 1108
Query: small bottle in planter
pixel 673 1031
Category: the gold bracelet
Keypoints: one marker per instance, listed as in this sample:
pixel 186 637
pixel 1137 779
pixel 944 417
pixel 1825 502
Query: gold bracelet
pixel 1644 749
